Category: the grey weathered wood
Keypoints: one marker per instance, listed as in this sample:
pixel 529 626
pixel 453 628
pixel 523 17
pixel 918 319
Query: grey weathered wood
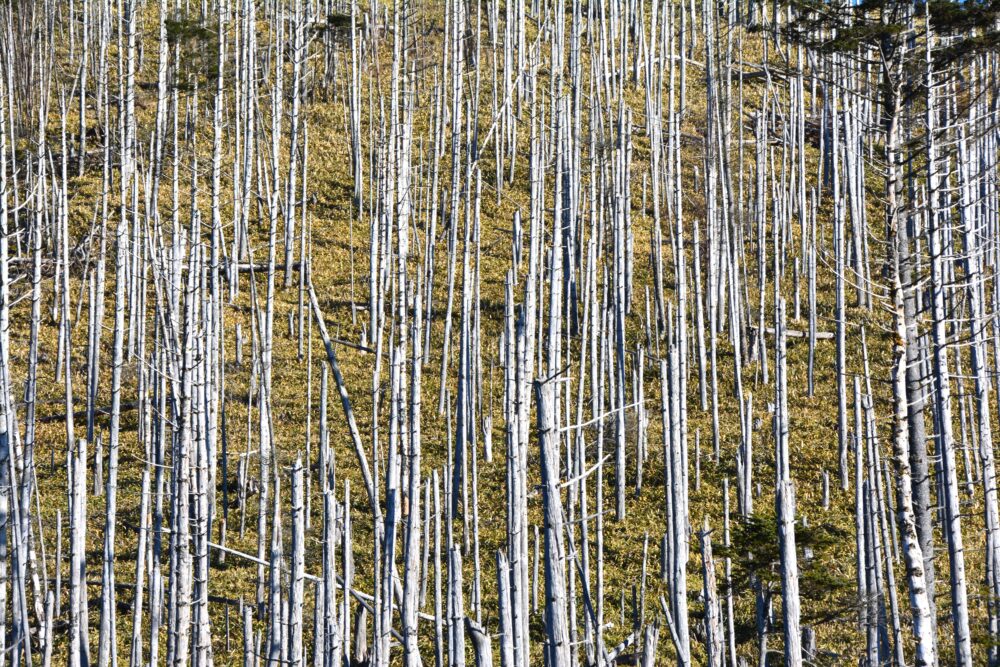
pixel 79 650
pixel 481 645
pixel 504 602
pixel 714 641
pixel 556 627
pixel 456 610
pixel 785 503
pixel 296 601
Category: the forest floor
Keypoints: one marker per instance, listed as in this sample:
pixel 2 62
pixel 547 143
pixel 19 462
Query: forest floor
pixel 339 268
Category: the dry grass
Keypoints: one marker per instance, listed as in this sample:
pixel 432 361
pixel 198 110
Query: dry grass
pixel 828 577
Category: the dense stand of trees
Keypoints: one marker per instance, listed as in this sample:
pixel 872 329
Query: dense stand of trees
pixel 554 219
